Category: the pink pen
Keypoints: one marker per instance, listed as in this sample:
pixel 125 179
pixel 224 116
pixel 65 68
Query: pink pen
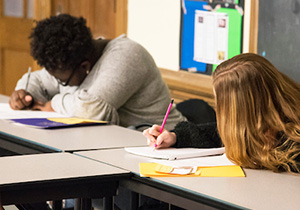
pixel 165 119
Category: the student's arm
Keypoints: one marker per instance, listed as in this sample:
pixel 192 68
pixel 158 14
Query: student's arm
pixel 201 136
pixel 41 88
pixel 185 134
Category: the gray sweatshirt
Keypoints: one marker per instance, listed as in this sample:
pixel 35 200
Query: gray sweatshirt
pixel 124 87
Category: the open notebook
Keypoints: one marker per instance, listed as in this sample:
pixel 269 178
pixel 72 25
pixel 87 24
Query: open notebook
pixel 174 153
pixel 7 113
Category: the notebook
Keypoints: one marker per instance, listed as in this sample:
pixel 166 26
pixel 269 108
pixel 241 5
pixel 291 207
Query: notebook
pixel 7 113
pixel 174 153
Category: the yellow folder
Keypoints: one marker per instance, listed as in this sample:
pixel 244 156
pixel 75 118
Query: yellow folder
pixel 75 120
pixel 149 170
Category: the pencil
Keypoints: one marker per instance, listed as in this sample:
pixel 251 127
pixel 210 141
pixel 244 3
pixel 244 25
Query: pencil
pixel 165 119
pixel 28 77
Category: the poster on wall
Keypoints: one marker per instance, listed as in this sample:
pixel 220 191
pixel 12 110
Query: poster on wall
pixel 210 37
pixel 211 32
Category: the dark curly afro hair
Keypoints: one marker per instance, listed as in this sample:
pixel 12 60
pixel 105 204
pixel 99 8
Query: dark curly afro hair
pixel 61 42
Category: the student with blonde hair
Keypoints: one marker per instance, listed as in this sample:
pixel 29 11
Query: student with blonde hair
pixel 258 117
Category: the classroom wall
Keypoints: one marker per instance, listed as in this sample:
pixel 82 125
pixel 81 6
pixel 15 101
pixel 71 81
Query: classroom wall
pixel 246 32
pixel 156 25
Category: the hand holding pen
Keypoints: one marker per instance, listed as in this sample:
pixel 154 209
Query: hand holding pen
pixel 21 99
pixel 165 119
pixel 162 140
pixel 157 136
pixel 28 98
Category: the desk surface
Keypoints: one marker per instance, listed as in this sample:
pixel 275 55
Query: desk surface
pixel 73 139
pixel 258 190
pixel 63 174
pixel 4 98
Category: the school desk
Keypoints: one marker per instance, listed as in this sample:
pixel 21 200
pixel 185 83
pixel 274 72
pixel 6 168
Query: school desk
pixel 27 140
pixel 55 176
pixel 4 98
pixel 260 189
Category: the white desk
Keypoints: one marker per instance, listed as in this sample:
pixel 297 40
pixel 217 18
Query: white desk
pixel 54 176
pixel 258 190
pixel 26 140
pixel 15 138
pixel 4 98
pixel 56 180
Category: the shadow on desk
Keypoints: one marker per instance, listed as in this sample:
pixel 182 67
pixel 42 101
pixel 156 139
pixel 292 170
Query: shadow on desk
pixel 4 152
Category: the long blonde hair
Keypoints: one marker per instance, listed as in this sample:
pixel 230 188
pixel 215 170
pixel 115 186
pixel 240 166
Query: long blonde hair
pixel 258 113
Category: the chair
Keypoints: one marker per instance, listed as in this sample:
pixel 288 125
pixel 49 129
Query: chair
pixel 197 111
pixel 140 127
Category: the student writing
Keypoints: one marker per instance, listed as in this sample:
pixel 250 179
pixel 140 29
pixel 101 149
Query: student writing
pixel 113 80
pixel 258 117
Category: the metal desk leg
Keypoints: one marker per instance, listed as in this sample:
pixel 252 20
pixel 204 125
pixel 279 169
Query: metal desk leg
pixel 86 204
pixel 77 203
pixel 134 200
pixel 57 205
pixel 83 204
pixel 108 203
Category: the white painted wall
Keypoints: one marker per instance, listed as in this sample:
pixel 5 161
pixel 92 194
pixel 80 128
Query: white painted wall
pixel 156 25
pixel 247 9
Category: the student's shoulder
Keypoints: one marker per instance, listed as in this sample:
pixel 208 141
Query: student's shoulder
pixel 123 42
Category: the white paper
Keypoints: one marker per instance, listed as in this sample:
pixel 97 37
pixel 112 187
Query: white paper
pixel 174 153
pixel 7 113
pixel 209 161
pixel 183 170
pixel 210 37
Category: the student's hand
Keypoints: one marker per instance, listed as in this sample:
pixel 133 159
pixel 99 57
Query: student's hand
pixel 20 99
pixel 43 106
pixel 162 140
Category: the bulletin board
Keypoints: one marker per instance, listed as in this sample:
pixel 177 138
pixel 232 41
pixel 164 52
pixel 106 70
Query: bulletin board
pixel 279 35
pixel 211 32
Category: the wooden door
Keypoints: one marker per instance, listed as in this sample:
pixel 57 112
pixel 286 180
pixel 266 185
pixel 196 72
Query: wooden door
pixel 107 18
pixel 16 20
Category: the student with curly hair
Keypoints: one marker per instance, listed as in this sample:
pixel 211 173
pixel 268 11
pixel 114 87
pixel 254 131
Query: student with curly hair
pixel 114 80
pixel 258 117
